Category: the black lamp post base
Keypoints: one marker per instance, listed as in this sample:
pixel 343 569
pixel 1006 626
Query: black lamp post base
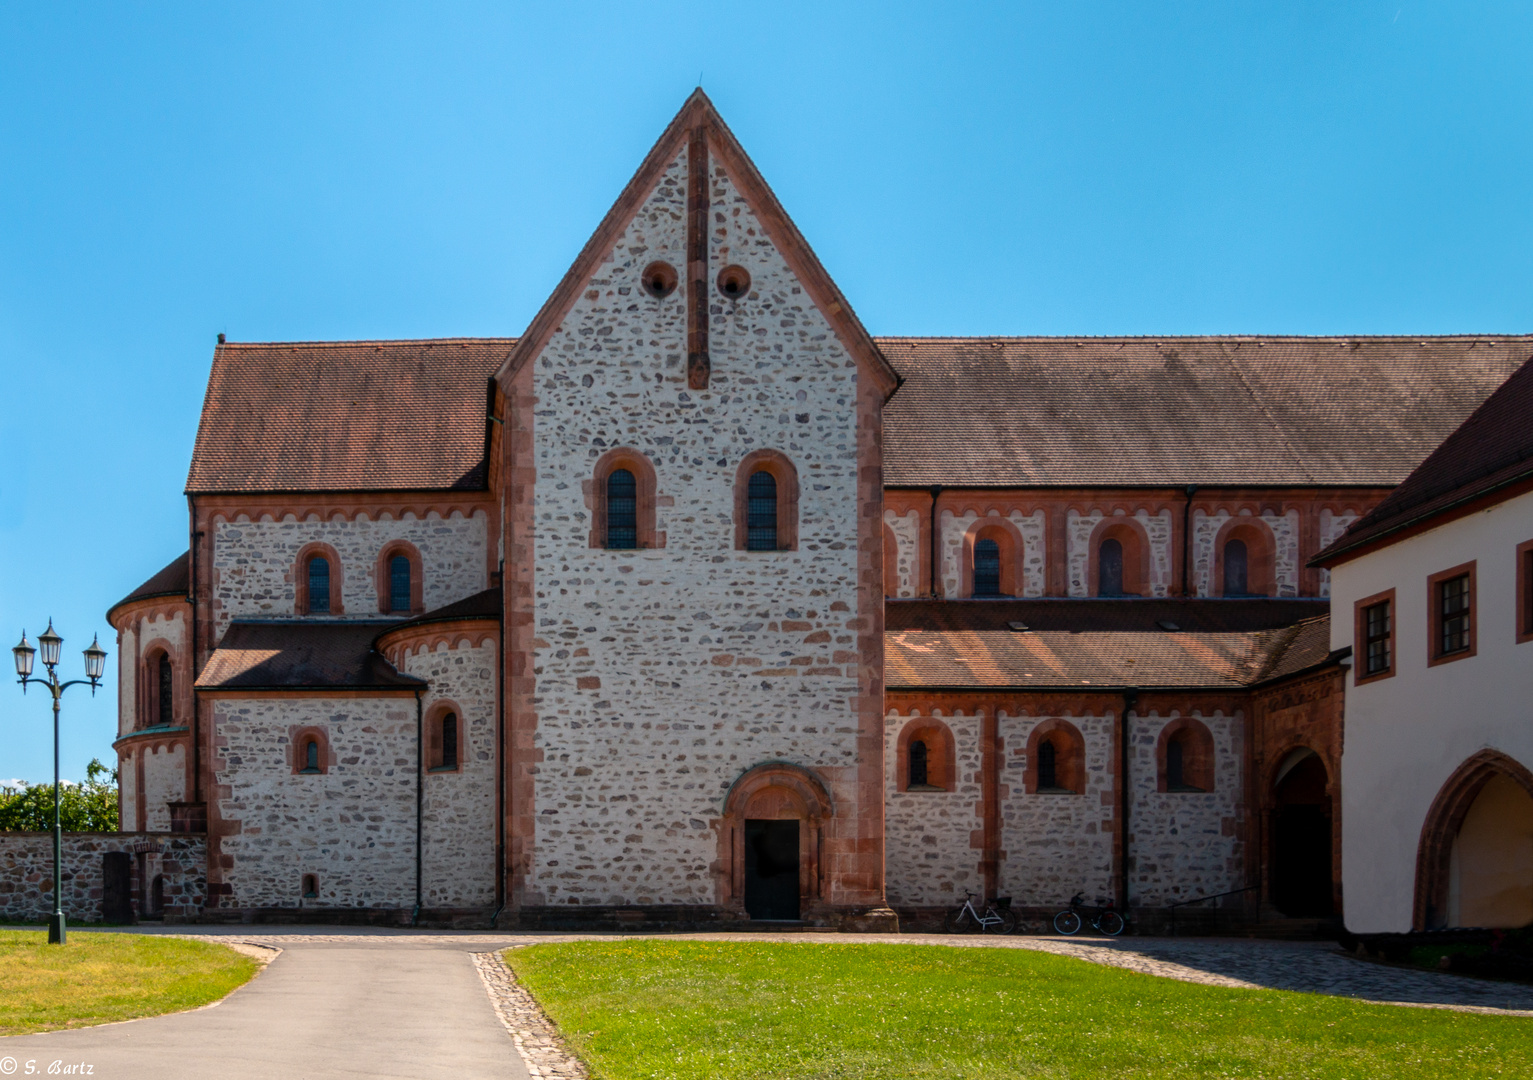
pixel 56 928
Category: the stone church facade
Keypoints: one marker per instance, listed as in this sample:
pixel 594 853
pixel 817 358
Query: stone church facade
pixel 696 604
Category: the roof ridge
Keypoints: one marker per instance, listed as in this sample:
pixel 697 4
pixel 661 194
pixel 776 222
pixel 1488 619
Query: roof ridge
pixel 1338 338
pixel 349 343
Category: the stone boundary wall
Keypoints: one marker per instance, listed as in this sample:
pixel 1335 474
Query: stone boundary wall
pixel 26 874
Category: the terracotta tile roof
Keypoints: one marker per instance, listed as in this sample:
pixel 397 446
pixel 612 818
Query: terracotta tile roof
pixel 1084 645
pixel 1181 410
pixel 346 416
pixel 301 654
pixel 1492 449
pixel 484 605
pixel 174 580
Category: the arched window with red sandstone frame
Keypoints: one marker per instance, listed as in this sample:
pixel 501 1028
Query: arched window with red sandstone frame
pixel 1120 558
pixel 891 562
pixel 761 472
pixel 621 497
pixel 1244 559
pixel 1184 757
pixel 317 580
pixel 157 705
pixel 401 585
pixel 1056 759
pixel 924 758
pixel 310 749
pixel 444 738
pixel 992 558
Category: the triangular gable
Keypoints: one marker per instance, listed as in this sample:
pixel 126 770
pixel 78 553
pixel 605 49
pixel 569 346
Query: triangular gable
pixel 699 119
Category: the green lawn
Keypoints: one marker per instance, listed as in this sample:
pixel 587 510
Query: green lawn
pixel 728 1011
pixel 99 978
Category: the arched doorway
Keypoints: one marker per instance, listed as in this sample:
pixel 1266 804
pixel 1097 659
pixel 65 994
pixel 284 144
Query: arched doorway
pixel 1474 864
pixel 1301 863
pixel 774 818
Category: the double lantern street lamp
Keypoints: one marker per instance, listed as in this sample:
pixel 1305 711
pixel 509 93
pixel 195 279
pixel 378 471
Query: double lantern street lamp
pixel 95 664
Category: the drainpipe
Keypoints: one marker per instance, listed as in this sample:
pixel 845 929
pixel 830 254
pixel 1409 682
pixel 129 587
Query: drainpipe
pixel 420 777
pixel 196 711
pixel 936 490
pixel 1192 489
pixel 500 758
pixel 1130 696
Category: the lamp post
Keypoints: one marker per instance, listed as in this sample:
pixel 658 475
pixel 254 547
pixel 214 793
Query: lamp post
pixel 95 663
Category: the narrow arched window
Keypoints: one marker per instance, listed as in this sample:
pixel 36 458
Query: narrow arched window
pixel 622 510
pixel 311 756
pixel 399 583
pixel 1176 777
pixel 917 764
pixel 319 585
pixel 987 568
pixel 157 895
pixel 1110 568
pixel 761 512
pixel 1048 765
pixel 450 741
pixel 166 703
pixel 1236 569
pixel 310 887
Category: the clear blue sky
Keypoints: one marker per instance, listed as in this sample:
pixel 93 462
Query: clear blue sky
pixel 324 170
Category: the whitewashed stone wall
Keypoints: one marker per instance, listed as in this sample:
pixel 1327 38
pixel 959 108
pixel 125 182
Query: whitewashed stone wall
pixel 1057 845
pixel 1285 538
pixel 253 561
pixel 458 811
pixel 164 783
pixel 160 626
pixel 1157 528
pixel 907 539
pixel 662 675
pixel 930 857
pixel 353 827
pixel 127 679
pixel 1185 844
pixel 127 796
pixel 954 527
pixel 1332 525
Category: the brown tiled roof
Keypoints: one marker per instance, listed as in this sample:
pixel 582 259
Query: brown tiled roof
pixel 1084 645
pixel 1181 410
pixel 346 416
pixel 301 655
pixel 1491 450
pixel 174 580
pixel 484 605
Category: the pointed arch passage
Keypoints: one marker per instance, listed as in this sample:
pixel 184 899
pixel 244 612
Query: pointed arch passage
pixel 783 479
pixel 1454 801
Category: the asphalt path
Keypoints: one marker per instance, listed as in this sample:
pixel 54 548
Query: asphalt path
pixel 369 1006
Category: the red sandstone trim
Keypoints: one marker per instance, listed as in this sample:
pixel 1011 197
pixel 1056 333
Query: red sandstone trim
pixel 407 641
pixel 1441 827
pixel 1261 556
pixel 776 791
pixel 1435 655
pixel 383 578
pixel 434 715
pixel 595 492
pixel 300 578
pixel 940 756
pixel 519 714
pixel 1012 547
pixel 1197 753
pixel 891 562
pixel 1069 759
pixel 1136 554
pixel 783 471
pixel 298 740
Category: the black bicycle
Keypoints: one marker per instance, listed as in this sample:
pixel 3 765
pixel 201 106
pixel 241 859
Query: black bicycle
pixel 1105 920
pixel 998 917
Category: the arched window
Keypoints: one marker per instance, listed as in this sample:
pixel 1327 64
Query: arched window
pixel 444 733
pixel 1110 568
pixel 761 513
pixel 166 703
pixel 1175 779
pixel 318 572
pixel 310 751
pixel 1185 757
pixel 310 756
pixel 399 583
pixel 1236 575
pixel 917 764
pixel 157 895
pixel 987 568
pixel 622 510
pixel 310 887
pixel 1048 776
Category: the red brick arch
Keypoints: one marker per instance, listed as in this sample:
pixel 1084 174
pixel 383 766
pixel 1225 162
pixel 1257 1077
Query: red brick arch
pixel 1136 554
pixel 941 761
pixel 1009 539
pixel 1261 555
pixel 1441 827
pixel 1069 756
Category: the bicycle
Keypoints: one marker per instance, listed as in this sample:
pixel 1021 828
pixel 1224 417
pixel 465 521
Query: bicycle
pixel 997 919
pixel 1105 921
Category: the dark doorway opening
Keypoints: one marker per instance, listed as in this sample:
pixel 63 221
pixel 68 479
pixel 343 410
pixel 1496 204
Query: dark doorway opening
pixel 1301 841
pixel 771 869
pixel 116 887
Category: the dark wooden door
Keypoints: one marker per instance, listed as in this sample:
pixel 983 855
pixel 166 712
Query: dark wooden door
pixel 771 869
pixel 1301 843
pixel 116 887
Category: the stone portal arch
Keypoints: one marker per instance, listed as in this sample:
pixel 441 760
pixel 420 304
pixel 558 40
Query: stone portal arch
pixel 770 793
pixel 1434 852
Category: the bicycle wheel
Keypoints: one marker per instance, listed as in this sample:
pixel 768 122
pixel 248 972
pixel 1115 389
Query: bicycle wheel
pixel 960 922
pixel 1007 925
pixel 1110 923
pixel 1067 922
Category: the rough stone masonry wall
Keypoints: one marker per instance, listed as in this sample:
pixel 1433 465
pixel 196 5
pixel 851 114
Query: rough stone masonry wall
pixel 1285 537
pixel 458 813
pixel 1030 526
pixel 1157 530
pixel 907 533
pixel 930 855
pixel 253 561
pixel 353 827
pixel 26 872
pixel 164 783
pixel 1057 845
pixel 662 675
pixel 1185 844
pixel 1332 525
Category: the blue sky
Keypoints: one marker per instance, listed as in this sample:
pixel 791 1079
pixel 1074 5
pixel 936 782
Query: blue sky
pixel 326 170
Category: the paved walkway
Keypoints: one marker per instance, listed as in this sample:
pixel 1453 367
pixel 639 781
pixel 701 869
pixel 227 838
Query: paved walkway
pixel 373 1002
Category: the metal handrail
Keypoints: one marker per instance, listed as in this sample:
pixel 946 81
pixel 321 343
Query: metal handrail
pixel 1200 899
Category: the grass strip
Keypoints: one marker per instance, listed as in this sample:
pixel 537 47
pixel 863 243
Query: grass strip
pixel 102 978
pixel 658 1010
